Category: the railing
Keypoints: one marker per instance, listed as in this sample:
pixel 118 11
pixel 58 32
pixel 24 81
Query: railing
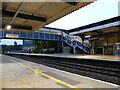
pixel 64 34
pixel 83 47
pixel 74 38
pixel 74 41
pixel 76 44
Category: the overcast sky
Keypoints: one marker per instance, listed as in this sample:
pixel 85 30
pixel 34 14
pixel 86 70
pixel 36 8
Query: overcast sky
pixel 97 11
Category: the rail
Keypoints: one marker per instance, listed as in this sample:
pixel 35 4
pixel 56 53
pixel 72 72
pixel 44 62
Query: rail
pixel 98 69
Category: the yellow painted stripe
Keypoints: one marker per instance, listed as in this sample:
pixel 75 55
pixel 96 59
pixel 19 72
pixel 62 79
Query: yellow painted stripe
pixel 57 80
pixel 3 56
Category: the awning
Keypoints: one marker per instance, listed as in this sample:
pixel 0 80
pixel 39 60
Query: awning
pixel 31 16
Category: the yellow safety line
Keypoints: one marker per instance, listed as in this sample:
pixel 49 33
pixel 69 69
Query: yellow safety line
pixel 57 80
pixel 2 56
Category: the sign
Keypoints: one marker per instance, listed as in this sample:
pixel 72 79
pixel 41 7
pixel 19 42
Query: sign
pixel 117 44
pixel 12 35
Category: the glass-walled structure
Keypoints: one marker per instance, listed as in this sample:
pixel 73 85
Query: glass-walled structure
pixel 26 35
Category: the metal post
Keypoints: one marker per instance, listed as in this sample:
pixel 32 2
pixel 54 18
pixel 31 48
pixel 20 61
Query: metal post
pixel 62 46
pixel 107 45
pixel 74 51
pixel 83 48
pixel 57 47
pixel 93 48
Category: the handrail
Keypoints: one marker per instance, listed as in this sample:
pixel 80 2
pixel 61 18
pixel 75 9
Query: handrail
pixel 76 44
pixel 70 37
pixel 74 38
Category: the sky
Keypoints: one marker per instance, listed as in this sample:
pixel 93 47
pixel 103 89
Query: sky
pixel 11 41
pixel 95 12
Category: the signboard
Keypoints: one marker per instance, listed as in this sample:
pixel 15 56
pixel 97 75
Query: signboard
pixel 117 48
pixel 12 35
pixel 117 44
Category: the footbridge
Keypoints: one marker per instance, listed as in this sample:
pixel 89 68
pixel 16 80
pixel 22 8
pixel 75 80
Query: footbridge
pixel 49 34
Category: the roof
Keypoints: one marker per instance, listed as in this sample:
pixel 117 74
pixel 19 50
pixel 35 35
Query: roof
pixel 66 31
pixel 105 28
pixel 31 16
pixel 104 22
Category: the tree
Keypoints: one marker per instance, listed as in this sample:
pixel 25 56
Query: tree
pixel 15 43
pixel 39 45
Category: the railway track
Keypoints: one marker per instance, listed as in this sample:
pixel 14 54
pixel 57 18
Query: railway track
pixel 102 73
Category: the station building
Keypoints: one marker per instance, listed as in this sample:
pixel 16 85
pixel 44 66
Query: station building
pixel 27 21
pixel 96 38
pixel 103 36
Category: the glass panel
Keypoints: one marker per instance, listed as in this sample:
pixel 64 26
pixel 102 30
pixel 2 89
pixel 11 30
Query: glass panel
pixel 29 35
pixel 60 37
pixel 23 34
pixel 56 37
pixel 36 35
pixel 46 36
pixel 15 32
pixel 41 35
pixel 1 33
pixel 9 32
pixel 52 36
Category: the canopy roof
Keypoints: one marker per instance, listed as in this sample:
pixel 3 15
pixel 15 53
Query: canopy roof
pixel 96 30
pixel 30 16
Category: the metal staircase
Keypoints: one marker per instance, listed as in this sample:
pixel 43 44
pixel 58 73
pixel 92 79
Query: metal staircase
pixel 75 41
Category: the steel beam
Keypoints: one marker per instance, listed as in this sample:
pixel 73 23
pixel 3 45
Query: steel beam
pixel 24 16
pixel 71 2
pixel 105 33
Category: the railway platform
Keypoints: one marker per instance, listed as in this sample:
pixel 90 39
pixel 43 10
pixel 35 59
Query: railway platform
pixel 79 56
pixel 18 73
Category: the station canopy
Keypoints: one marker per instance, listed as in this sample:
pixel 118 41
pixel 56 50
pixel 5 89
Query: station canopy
pixel 31 16
pixel 105 28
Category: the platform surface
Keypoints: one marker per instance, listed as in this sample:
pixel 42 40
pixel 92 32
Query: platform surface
pixel 104 57
pixel 18 73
